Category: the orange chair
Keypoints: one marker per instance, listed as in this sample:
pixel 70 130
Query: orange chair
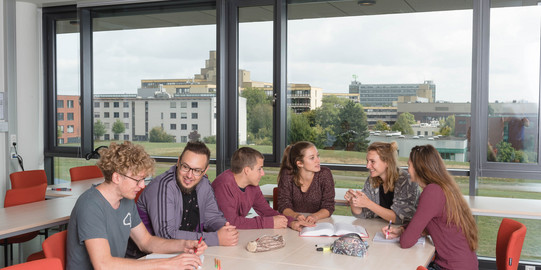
pixel 55 246
pixel 17 197
pixel 43 264
pixel 509 244
pixel 26 179
pixel 275 198
pixel 85 172
pixel 420 267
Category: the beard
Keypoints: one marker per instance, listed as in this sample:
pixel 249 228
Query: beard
pixel 186 190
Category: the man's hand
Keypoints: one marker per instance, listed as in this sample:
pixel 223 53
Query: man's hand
pixel 191 245
pixel 188 261
pixel 280 222
pixel 228 235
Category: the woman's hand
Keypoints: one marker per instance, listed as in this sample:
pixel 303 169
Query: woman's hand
pixel 393 232
pixel 312 219
pixel 360 200
pixel 297 225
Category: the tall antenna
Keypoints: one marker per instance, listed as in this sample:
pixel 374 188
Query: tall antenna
pixel 354 77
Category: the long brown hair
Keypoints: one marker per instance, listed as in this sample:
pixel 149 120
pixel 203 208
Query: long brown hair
pixel 292 154
pixel 388 153
pixel 430 169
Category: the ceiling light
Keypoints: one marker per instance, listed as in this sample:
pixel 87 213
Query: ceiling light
pixel 366 2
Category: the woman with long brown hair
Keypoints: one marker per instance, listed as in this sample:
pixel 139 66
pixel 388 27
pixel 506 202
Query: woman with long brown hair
pixel 442 212
pixel 387 192
pixel 304 186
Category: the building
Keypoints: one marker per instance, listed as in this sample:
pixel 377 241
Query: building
pixel 426 129
pixel 68 117
pixel 388 94
pixel 303 97
pixel 427 112
pixel 385 114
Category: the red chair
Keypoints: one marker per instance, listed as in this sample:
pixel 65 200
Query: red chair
pixel 43 264
pixel 85 172
pixel 420 267
pixel 275 198
pixel 509 244
pixel 26 179
pixel 17 197
pixel 55 246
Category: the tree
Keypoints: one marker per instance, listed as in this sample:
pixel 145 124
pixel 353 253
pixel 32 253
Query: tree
pixel 505 152
pixel 381 126
pixel 118 127
pixel 353 128
pixel 194 136
pixel 157 134
pixel 259 111
pixel 447 126
pixel 327 115
pixel 210 139
pixel 404 122
pixel 299 128
pixel 99 129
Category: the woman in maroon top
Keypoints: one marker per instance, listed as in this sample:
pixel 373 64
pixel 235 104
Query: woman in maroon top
pixel 303 185
pixel 442 213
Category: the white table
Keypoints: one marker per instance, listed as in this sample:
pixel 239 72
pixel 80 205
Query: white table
pixel 35 216
pixel 300 252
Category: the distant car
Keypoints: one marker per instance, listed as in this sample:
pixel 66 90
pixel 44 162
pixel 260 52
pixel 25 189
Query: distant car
pixel 421 136
pixel 388 135
pixel 415 137
pixel 401 136
pixel 430 138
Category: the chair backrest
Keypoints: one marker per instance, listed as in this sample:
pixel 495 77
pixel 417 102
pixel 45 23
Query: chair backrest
pixel 26 179
pixel 55 246
pixel 138 194
pixel 509 244
pixel 420 267
pixel 85 172
pixel 43 264
pixel 275 198
pixel 20 196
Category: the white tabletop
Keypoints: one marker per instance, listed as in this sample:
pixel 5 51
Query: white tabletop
pixel 30 217
pixel 300 252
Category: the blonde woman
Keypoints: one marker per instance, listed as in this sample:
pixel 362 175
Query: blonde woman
pixel 442 213
pixel 387 192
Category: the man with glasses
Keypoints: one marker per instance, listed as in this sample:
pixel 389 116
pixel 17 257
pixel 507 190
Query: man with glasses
pixel 105 216
pixel 180 203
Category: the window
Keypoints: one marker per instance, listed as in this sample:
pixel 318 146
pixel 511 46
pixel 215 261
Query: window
pixel 194 126
pixel 183 139
pixel 173 115
pixel 116 104
pixel 194 104
pixel 183 115
pixel 70 129
pixel 184 104
pixel 194 115
pixel 106 104
pixel 105 115
pixel 126 125
pixel 173 126
pixel 126 137
pixel 70 116
pixel 96 104
pixel 96 115
pixel 106 137
pixel 183 126
pixel 60 104
pixel 60 116
pixel 126 115
pixel 173 104
pixel 70 103
pixel 126 104
pixel 116 115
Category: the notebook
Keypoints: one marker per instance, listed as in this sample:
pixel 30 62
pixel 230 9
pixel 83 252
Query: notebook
pixel 337 229
pixel 380 237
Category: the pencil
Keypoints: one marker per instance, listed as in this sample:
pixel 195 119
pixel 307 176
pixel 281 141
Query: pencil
pixel 200 238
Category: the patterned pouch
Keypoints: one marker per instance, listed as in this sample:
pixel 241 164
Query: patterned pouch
pixel 266 243
pixel 350 244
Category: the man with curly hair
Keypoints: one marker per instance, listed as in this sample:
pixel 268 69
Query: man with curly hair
pixel 105 216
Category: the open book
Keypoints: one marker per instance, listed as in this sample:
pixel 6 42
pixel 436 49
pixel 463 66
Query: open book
pixel 380 237
pixel 337 229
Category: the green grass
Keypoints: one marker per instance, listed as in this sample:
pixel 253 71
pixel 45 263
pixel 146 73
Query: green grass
pixel 493 187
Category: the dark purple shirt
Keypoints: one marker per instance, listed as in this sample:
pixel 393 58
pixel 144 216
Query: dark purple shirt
pixel 452 249
pixel 320 194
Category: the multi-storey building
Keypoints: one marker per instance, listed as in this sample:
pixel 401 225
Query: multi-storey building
pixel 385 114
pixel 303 97
pixel 388 94
pixel 68 117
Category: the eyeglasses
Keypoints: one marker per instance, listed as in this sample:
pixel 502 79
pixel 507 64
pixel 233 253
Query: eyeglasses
pixel 136 180
pixel 185 168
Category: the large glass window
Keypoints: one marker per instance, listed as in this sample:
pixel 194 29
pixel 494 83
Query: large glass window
pixel 255 77
pixel 180 47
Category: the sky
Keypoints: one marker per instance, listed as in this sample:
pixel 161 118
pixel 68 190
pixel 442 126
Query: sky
pixel 327 53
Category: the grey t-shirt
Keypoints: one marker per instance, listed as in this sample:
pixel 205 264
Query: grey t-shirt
pixel 93 217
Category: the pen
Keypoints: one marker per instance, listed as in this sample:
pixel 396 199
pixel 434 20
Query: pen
pixel 327 248
pixel 200 238
pixel 61 189
pixel 388 228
